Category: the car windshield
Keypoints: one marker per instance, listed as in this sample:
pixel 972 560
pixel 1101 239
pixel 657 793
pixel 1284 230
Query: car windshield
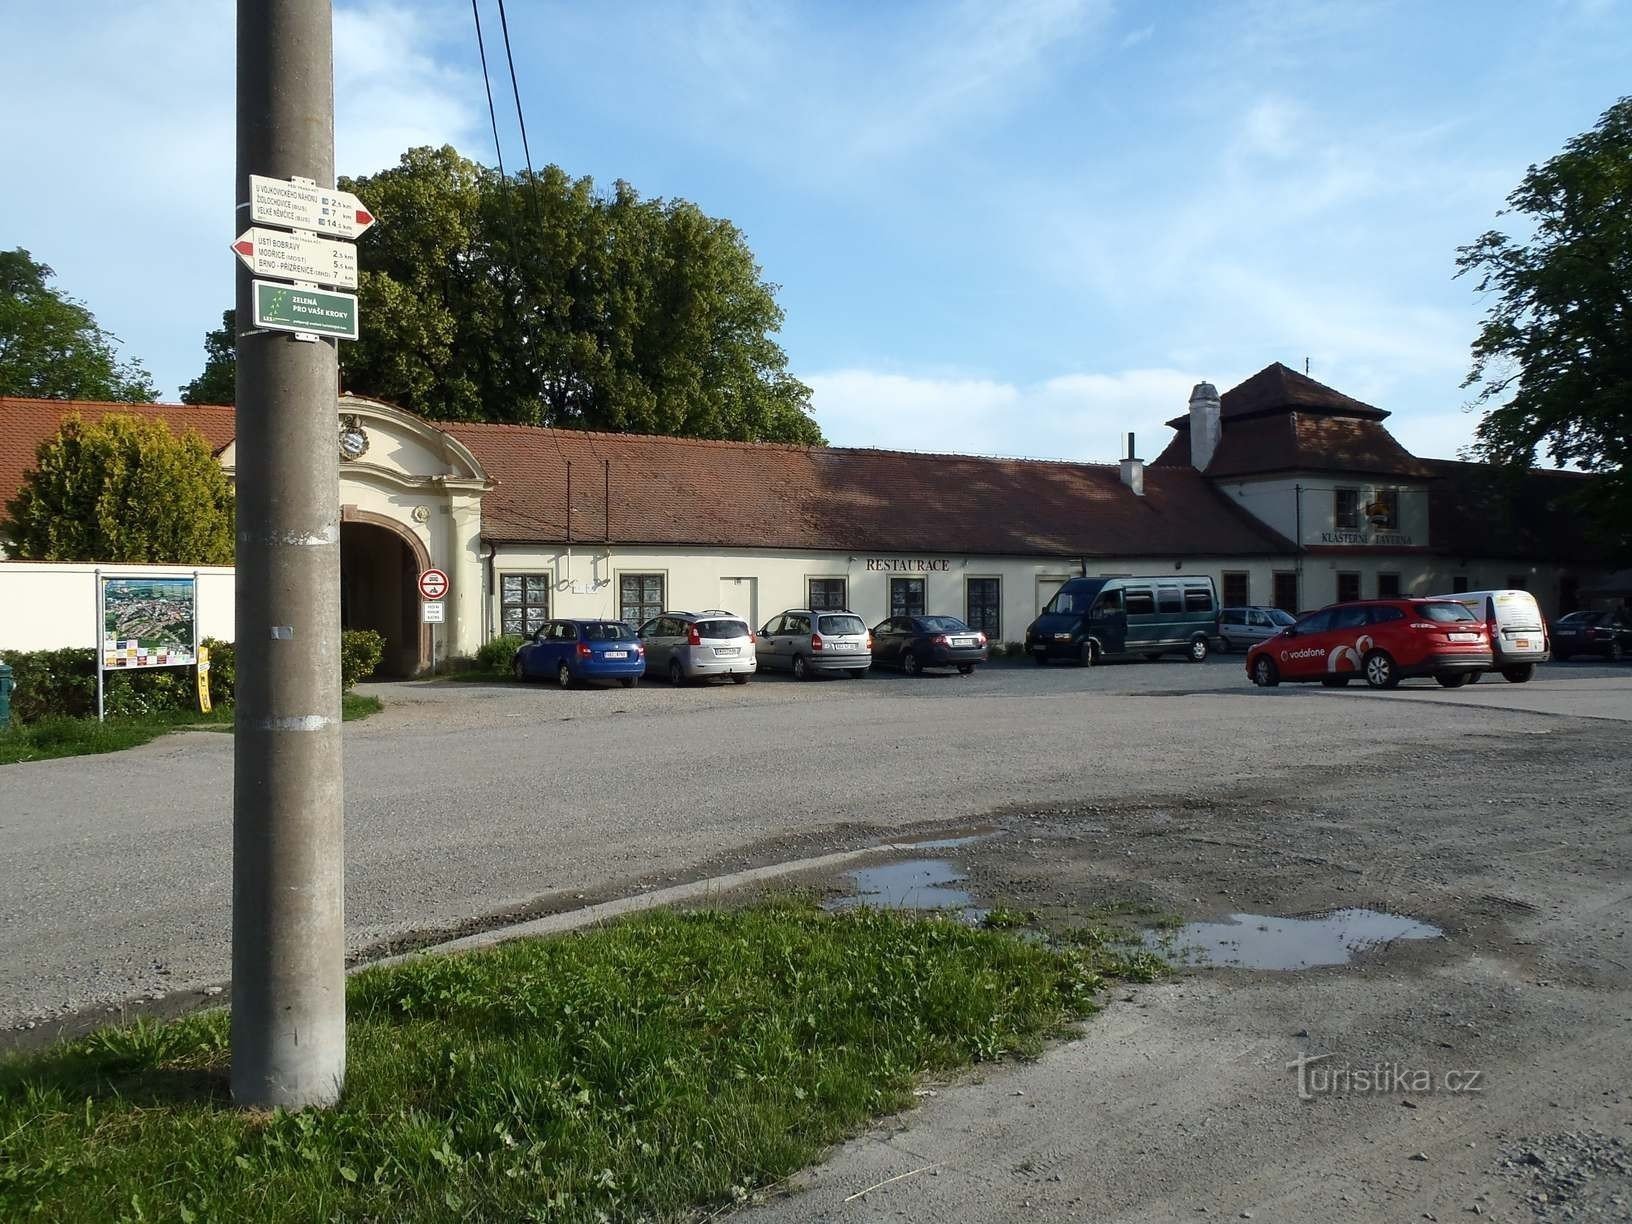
pixel 1071 601
pixel 1581 618
pixel 1280 617
pixel 722 629
pixel 608 631
pixel 1443 612
pixel 840 625
pixel 943 624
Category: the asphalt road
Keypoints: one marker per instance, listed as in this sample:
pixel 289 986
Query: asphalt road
pixel 466 800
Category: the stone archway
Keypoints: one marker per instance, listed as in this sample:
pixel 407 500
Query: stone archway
pixel 379 563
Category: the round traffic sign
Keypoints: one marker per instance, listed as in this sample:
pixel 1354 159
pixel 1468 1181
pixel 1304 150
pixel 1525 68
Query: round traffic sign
pixel 433 584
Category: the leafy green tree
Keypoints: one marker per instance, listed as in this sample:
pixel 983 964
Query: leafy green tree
pixel 51 345
pixel 1554 353
pixel 124 489
pixel 538 301
pixel 218 383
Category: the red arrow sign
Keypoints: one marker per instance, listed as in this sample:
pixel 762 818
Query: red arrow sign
pixel 244 247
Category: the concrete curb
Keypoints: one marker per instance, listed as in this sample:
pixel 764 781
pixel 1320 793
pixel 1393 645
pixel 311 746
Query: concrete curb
pixel 589 915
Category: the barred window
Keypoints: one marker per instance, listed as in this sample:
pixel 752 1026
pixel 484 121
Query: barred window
pixel 640 597
pixel 524 603
pixel 827 593
pixel 985 600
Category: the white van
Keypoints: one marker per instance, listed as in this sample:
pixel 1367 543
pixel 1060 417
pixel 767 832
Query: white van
pixel 1518 635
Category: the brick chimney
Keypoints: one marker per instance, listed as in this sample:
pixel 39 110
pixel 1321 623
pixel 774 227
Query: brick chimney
pixel 1133 470
pixel 1205 426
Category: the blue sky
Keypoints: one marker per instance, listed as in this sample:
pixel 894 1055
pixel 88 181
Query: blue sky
pixel 1017 227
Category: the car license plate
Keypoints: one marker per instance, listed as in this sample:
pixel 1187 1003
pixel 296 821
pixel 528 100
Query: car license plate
pixel 963 641
pixel 726 651
pixel 617 654
pixel 1523 643
pixel 1062 637
pixel 1464 637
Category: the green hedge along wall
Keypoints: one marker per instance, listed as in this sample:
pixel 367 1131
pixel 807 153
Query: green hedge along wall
pixel 63 682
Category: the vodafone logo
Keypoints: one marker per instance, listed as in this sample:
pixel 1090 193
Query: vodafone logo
pixel 1314 652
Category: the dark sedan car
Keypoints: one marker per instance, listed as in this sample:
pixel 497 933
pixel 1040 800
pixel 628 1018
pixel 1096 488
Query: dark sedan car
pixel 1608 634
pixel 913 643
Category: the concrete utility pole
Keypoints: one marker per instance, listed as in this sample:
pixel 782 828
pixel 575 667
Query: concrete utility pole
pixel 288 866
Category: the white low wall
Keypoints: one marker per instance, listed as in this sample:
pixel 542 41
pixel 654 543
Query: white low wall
pixel 49 605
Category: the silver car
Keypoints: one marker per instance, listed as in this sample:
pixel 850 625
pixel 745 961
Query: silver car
pixel 688 645
pixel 1243 628
pixel 806 642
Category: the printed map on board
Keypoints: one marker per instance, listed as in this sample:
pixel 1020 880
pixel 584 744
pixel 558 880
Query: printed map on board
pixel 148 622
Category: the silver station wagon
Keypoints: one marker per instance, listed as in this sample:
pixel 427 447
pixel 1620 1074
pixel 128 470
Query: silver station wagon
pixel 693 645
pixel 806 642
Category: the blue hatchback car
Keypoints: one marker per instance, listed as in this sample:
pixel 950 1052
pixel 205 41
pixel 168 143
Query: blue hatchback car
pixel 571 651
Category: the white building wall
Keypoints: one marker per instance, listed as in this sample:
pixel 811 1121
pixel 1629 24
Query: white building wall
pixel 51 605
pixel 763 582
pixel 1276 502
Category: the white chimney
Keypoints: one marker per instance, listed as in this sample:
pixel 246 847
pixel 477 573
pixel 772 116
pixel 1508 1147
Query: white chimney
pixel 1205 426
pixel 1133 470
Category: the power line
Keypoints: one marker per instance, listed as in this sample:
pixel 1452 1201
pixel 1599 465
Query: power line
pixel 521 120
pixel 492 114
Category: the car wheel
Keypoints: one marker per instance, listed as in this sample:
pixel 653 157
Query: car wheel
pixel 1381 672
pixel 1519 674
pixel 909 664
pixel 677 674
pixel 1335 681
pixel 801 670
pixel 739 678
pixel 1198 650
pixel 966 669
pixel 1040 657
pixel 1090 654
pixel 563 676
pixel 630 681
pixel 1454 679
pixel 1264 672
pixel 517 670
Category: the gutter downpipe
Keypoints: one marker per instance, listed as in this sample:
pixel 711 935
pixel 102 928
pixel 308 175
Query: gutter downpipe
pixel 569 524
pixel 487 604
pixel 1297 544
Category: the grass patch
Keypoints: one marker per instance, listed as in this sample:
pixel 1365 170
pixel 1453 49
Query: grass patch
pixel 63 737
pixel 663 1064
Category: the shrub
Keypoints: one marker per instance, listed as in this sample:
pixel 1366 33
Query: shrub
pixel 360 653
pixel 1015 650
pixel 47 682
pixel 495 655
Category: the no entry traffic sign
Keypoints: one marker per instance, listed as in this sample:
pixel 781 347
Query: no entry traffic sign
pixel 433 584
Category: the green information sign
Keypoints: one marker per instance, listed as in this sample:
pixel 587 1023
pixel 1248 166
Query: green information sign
pixel 317 311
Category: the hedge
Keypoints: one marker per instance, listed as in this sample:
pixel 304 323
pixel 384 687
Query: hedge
pixel 49 683
pixel 497 654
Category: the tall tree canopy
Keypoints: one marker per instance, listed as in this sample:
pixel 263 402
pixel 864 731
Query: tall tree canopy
pixel 1554 353
pixel 126 489
pixel 218 383
pixel 51 345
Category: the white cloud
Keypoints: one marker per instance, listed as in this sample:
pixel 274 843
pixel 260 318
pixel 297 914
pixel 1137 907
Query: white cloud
pixel 1134 37
pixel 1074 416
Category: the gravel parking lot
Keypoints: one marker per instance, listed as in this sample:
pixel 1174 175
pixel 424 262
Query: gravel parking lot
pixel 470 800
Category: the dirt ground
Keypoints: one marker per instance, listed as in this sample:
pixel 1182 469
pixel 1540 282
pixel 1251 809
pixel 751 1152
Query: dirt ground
pixel 1504 1046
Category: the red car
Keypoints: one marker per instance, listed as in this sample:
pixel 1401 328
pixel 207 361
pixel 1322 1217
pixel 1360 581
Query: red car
pixel 1382 640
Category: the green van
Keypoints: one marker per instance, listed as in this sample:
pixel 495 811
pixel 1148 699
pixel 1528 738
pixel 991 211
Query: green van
pixel 1090 620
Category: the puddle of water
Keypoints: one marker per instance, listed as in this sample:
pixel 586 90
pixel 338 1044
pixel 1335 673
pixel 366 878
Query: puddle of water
pixel 916 884
pixel 1257 941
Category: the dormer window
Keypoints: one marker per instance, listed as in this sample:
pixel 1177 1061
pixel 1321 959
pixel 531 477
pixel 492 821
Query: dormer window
pixel 1347 509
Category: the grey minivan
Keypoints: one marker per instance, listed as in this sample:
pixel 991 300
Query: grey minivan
pixel 1244 628
pixel 806 642
pixel 689 645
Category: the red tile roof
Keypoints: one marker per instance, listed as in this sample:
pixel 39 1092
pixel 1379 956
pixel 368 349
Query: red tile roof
pixel 1299 441
pixel 687 491
pixel 1277 389
pixel 676 491
pixel 25 423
